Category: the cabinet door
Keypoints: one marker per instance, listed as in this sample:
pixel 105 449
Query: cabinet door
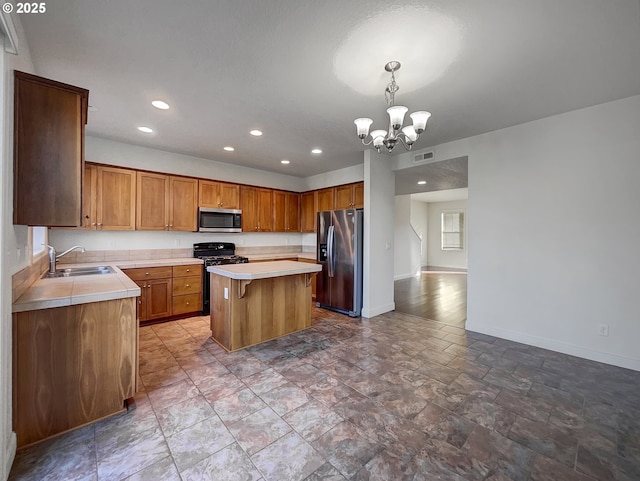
pixel 142 301
pixel 48 149
pixel 326 199
pixel 358 195
pixel 116 198
pixel 308 212
pixel 292 213
pixel 89 191
pixel 344 196
pixel 265 210
pixel 279 211
pixel 229 195
pixel 158 298
pixel 183 204
pixel 153 201
pixel 248 202
pixel 208 194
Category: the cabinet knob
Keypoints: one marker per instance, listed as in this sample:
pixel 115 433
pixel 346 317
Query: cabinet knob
pixel 170 225
pixel 146 273
pixel 187 285
pixel 187 303
pixel 188 270
pixel 93 223
pixel 99 223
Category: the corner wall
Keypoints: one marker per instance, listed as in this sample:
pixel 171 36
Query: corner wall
pixel 14 240
pixel 553 231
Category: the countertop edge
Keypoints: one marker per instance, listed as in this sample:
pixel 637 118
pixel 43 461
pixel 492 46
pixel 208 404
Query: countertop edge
pixel 265 270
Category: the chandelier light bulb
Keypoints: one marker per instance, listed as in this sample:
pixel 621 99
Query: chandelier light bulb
pixel 396 116
pixel 420 120
pixel 396 134
pixel 362 126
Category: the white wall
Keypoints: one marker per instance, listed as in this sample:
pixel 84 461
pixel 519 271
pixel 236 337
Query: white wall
pixel 438 257
pixel 379 190
pixel 355 173
pixel 554 232
pixel 14 240
pixel 406 243
pixel 419 221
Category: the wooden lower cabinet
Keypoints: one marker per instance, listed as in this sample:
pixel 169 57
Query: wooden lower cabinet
pixel 187 289
pixel 155 291
pixel 167 291
pixel 71 366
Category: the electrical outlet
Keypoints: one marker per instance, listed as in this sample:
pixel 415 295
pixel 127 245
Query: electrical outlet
pixel 603 329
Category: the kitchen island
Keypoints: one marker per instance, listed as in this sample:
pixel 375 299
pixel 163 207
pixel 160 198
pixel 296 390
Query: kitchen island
pixel 255 302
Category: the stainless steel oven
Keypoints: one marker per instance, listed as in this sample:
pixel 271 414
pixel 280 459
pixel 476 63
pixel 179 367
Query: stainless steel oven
pixel 219 220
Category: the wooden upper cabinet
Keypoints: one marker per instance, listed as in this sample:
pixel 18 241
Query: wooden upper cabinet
pixel 358 195
pixel 152 206
pixel 218 195
pixel 326 199
pixel 115 198
pixel 286 211
pixel 166 202
pixel 308 201
pixel 257 209
pixel 292 212
pixel 49 120
pixel 350 196
pixel 183 204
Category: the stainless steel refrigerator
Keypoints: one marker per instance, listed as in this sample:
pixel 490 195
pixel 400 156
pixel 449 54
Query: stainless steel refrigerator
pixel 339 285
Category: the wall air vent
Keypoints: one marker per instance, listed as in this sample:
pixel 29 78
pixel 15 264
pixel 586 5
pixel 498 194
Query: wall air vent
pixel 423 156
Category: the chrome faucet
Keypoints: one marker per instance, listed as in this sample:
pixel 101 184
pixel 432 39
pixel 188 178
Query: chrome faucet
pixel 53 257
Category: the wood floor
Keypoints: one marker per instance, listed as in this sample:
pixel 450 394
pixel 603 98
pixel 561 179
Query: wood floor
pixel 437 295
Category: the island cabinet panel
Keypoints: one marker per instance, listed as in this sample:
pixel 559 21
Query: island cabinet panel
pixel 258 310
pixel 49 120
pixel 72 365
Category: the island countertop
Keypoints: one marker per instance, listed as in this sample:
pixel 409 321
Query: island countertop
pixel 264 270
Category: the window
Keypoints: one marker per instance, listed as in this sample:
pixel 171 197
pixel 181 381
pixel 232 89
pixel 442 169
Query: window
pixel 452 228
pixel 38 240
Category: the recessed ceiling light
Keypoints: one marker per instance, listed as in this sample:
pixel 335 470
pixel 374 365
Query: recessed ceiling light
pixel 284 161
pixel 256 133
pixel 159 104
pixel 316 151
pixel 228 148
pixel 422 182
pixel 146 130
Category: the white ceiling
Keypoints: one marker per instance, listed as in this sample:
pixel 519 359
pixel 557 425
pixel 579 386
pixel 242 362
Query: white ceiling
pixel 302 71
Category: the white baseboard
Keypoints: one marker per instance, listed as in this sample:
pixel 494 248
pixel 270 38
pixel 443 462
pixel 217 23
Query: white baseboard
pixel 376 311
pixel 10 454
pixel 555 345
pixel 402 276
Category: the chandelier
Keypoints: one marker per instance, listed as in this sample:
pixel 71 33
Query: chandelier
pixel 406 135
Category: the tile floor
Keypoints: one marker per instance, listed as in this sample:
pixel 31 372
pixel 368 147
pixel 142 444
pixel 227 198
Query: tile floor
pixel 391 398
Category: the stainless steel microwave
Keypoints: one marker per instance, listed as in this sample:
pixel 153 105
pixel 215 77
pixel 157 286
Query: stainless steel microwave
pixel 219 220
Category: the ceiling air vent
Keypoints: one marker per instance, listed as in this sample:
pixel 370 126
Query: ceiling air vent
pixel 423 156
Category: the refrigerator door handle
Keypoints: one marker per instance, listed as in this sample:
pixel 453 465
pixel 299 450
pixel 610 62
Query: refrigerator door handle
pixel 330 250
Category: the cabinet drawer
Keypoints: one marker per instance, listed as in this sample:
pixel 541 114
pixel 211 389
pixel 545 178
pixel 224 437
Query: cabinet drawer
pixel 184 271
pixel 142 273
pixel 187 285
pixel 188 303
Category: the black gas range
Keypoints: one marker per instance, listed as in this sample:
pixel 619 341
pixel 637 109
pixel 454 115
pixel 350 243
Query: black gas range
pixel 215 254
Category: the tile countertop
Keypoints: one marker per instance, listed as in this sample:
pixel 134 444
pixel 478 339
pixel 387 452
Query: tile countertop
pixel 263 270
pixel 284 255
pixel 68 291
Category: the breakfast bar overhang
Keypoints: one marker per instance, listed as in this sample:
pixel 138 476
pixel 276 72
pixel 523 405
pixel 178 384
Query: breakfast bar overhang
pixel 256 302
